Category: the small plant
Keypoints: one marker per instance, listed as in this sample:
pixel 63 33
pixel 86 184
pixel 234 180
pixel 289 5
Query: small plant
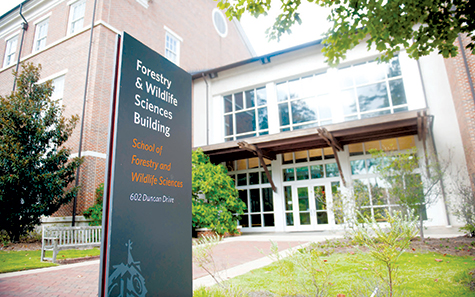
pixel 285 269
pixel 203 257
pixel 386 246
pixel 94 213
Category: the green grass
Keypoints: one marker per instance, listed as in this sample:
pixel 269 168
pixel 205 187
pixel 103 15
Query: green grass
pixel 23 260
pixel 419 275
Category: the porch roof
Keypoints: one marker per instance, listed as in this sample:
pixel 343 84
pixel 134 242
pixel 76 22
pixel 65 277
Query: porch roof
pixel 376 128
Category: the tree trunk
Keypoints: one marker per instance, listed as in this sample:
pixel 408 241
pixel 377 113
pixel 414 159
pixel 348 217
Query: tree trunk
pixel 421 224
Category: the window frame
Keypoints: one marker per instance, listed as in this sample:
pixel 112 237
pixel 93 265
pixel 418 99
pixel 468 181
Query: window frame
pixel 72 29
pixel 169 34
pixel 37 43
pixel 9 54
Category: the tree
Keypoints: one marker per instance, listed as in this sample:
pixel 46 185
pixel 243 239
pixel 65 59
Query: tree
pixel 419 27
pixel 411 182
pixel 94 213
pixel 35 168
pixel 220 207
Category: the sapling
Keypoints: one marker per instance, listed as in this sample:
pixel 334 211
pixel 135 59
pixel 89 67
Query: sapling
pixel 386 245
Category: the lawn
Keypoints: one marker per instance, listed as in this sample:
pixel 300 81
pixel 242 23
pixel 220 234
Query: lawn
pixel 30 259
pixel 419 274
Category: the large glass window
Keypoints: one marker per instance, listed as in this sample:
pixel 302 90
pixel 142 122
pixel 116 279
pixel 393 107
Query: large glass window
pixel 359 91
pixel 76 16
pixel 10 51
pixel 245 114
pixel 41 33
pixel 172 48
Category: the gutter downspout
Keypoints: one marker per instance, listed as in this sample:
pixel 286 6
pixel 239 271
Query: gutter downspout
pixel 207 111
pixel 24 27
pixel 83 111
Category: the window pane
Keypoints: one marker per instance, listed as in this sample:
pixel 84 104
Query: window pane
pixel 264 178
pixel 282 94
pixel 253 178
pixel 255 200
pixel 294 88
pixel 332 170
pixel 348 101
pixel 238 101
pixel 370 72
pixel 230 166
pixel 372 165
pixel 268 220
pixel 345 77
pixel 256 220
pixel 289 219
pixel 288 174
pixel 320 198
pixel 287 158
pixel 304 218
pixel 304 110
pixel 356 149
pixel 244 221
pixel 406 142
pixel 389 144
pixel 300 156
pixel 284 114
pixel 315 154
pixel 316 171
pixel 261 96
pixel 267 199
pixel 243 197
pixel 307 87
pixel 372 145
pixel 253 162
pixel 324 107
pixel 328 153
pixel 242 179
pixel 358 167
pixel 321 84
pixel 228 103
pixel 241 164
pixel 245 121
pixel 322 217
pixel 262 114
pixel 303 199
pixel 288 198
pixel 228 125
pixel 302 173
pixel 250 99
pixel 373 97
pixel 398 96
pixel 394 68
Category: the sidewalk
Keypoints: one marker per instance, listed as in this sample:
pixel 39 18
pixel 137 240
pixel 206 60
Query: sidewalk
pixel 233 256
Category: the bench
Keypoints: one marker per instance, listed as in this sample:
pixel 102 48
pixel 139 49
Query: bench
pixel 62 238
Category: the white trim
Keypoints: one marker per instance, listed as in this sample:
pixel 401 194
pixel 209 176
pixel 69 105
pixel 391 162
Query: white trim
pixel 220 13
pixel 89 154
pixel 173 33
pixel 11 36
pixel 39 20
pixel 144 3
pixel 70 17
pixel 65 38
pixel 71 2
pixel 53 76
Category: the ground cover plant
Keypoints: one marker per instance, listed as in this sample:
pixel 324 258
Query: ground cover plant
pixel 17 260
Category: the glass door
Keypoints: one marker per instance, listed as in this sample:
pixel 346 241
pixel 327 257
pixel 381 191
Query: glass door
pixel 305 207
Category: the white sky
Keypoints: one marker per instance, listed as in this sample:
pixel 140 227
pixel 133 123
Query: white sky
pixel 313 17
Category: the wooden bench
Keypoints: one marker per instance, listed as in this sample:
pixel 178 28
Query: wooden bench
pixel 62 238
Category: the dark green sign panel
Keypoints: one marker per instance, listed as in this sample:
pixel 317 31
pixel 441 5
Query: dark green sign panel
pixel 147 210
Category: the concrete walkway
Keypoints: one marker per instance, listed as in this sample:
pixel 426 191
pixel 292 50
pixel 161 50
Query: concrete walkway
pixel 233 256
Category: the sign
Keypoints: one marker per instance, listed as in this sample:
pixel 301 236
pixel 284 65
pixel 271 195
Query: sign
pixel 146 248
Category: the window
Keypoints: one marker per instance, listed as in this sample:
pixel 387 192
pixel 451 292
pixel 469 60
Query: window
pixel 172 48
pixel 219 22
pixel 58 92
pixel 40 35
pixel 10 51
pixel 358 91
pixel 245 114
pixel 76 16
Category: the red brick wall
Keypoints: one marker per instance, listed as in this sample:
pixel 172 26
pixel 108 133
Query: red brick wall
pixel 202 48
pixel 464 102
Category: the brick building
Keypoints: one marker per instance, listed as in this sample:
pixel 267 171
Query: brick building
pixel 461 72
pixel 192 34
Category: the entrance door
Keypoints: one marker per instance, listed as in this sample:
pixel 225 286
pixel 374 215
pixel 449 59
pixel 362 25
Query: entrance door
pixel 306 207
